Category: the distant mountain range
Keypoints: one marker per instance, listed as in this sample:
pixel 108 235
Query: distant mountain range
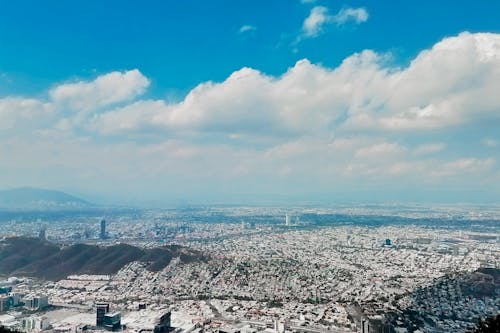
pixel 20 256
pixel 28 198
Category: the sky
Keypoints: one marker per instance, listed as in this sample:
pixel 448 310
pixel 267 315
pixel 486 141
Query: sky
pixel 160 102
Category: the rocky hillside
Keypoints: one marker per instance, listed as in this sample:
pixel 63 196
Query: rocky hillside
pixel 465 298
pixel 37 258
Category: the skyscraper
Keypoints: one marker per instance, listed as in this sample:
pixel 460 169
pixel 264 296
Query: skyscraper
pixel 42 234
pixel 103 229
pixel 101 310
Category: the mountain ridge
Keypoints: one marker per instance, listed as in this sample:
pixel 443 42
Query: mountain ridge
pixel 32 198
pixel 33 257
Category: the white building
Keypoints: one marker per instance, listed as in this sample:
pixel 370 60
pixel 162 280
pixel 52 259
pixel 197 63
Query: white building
pixel 35 324
pixel 36 302
pixel 288 220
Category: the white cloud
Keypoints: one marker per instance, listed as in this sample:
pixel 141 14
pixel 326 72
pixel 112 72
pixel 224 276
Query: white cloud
pixel 247 28
pixel 437 90
pixel 133 117
pixel 452 84
pixel 105 90
pixel 356 15
pixel 314 22
pixel 19 114
pixel 319 17
pixel 464 166
pixel 363 122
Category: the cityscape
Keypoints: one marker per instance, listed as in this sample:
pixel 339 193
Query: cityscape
pixel 249 166
pixel 252 269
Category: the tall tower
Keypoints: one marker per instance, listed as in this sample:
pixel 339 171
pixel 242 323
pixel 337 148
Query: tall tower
pixel 103 229
pixel 42 234
pixel 101 310
pixel 288 220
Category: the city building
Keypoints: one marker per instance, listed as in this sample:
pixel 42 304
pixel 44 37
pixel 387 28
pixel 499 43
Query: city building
pixel 365 325
pixel 288 220
pixel 112 321
pixel 5 290
pixel 42 235
pixel 163 323
pixel 35 324
pixel 103 229
pixel 15 299
pixel 4 303
pixel 87 233
pixel 101 310
pixel 36 302
pixel 149 321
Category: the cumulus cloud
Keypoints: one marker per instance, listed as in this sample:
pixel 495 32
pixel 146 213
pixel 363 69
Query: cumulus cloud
pixel 18 114
pixel 459 73
pixel 449 85
pixel 364 119
pixel 439 89
pixel 105 90
pixel 133 117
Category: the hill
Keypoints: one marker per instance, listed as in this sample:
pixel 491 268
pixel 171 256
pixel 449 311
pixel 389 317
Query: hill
pixel 27 198
pixel 37 258
pixel 465 297
pixel 489 325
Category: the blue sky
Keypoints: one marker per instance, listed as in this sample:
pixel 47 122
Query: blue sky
pixel 251 100
pixel 182 43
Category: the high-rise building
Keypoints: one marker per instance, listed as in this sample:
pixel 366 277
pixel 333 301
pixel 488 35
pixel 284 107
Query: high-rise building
pixel 103 229
pixel 101 310
pixel 288 220
pixel 43 233
pixel 4 303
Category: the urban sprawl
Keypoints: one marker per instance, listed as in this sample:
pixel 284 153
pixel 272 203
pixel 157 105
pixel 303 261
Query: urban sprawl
pixel 267 270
